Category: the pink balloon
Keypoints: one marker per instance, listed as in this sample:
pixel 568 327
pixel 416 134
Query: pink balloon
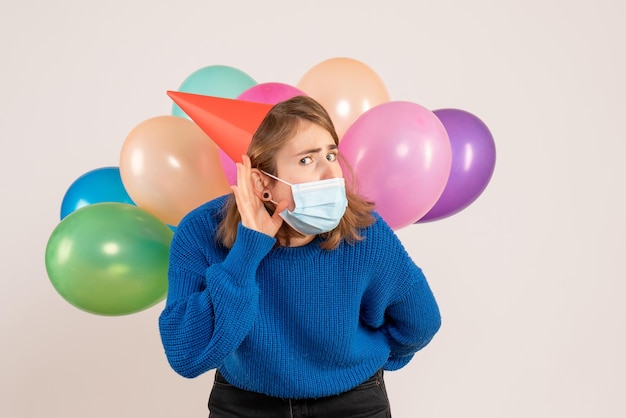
pixel 401 156
pixel 228 167
pixel 270 93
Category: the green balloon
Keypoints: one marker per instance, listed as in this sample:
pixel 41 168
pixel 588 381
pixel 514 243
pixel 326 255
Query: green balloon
pixel 215 80
pixel 110 259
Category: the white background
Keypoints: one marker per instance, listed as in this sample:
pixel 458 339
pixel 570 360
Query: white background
pixel 529 277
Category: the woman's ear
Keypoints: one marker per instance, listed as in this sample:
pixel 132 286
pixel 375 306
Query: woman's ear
pixel 260 188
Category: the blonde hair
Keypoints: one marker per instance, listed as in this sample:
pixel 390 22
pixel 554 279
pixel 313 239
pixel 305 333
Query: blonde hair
pixel 279 126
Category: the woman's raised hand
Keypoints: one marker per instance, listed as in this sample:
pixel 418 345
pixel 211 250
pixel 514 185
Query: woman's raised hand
pixel 251 208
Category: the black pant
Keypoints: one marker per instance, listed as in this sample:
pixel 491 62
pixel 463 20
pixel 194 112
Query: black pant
pixel 368 400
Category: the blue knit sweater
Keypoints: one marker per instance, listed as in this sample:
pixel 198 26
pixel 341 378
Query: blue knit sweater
pixel 292 322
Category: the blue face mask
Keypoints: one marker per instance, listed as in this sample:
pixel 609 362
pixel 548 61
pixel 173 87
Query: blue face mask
pixel 319 205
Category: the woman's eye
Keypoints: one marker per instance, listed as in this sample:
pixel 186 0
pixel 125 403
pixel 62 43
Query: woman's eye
pixel 306 160
pixel 332 156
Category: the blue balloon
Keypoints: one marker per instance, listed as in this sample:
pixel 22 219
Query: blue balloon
pixel 95 186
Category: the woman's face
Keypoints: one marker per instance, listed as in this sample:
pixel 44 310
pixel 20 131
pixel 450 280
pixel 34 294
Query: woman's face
pixel 310 155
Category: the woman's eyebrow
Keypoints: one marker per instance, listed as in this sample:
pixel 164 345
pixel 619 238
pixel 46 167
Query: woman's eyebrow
pixel 330 147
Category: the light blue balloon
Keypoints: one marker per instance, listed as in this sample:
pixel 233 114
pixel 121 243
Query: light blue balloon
pixel 215 80
pixel 96 186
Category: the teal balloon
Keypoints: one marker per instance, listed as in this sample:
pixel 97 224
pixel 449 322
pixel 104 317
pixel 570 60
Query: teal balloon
pixel 109 259
pixel 96 186
pixel 215 80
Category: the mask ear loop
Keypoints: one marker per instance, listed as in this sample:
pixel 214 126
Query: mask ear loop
pixel 275 178
pixel 266 195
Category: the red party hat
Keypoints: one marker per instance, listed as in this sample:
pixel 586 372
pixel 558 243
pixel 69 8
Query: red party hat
pixel 230 123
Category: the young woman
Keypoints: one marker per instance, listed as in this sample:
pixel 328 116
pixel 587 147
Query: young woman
pixel 292 287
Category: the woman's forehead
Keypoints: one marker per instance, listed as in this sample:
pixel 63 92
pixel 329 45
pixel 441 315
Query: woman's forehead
pixel 309 136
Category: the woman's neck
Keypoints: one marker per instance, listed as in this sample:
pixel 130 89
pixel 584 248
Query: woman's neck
pixel 297 241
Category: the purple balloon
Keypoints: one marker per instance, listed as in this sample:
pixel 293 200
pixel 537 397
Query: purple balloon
pixel 473 162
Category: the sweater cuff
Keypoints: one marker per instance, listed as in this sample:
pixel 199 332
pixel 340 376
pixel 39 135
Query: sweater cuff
pixel 249 249
pixel 396 363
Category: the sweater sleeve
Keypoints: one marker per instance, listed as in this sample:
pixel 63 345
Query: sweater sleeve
pixel 399 301
pixel 410 323
pixel 212 300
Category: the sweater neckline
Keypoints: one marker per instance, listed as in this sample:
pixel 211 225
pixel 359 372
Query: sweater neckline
pixel 301 252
